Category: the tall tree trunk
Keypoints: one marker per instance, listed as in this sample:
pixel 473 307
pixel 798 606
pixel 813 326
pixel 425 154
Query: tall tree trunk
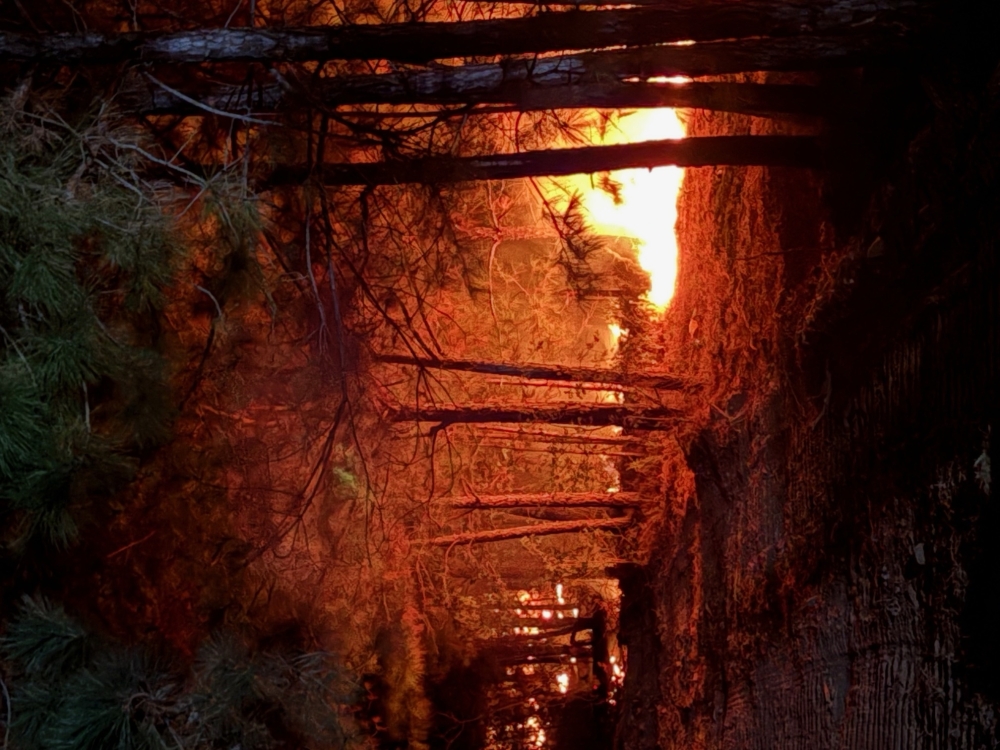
pixel 553 449
pixel 541 372
pixel 535 436
pixel 553 629
pixel 421 42
pixel 547 605
pixel 546 655
pixel 763 150
pixel 545 500
pixel 584 415
pixel 591 79
pixel 837 13
pixel 760 99
pixel 521 532
pixel 463 83
pixel 549 513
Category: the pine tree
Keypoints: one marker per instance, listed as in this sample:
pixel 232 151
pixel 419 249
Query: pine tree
pixel 73 691
pixel 85 253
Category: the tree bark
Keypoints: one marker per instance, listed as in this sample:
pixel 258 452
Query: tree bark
pixel 757 99
pixel 762 100
pixel 462 83
pixel 530 81
pixel 558 628
pixel 512 433
pixel 424 41
pixel 541 372
pixel 568 451
pixel 584 415
pixel 539 529
pixel 546 500
pixel 764 150
pixel 513 655
pixel 543 605
pixel 828 10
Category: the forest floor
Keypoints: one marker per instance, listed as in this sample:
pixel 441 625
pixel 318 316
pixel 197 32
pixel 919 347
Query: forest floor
pixel 823 573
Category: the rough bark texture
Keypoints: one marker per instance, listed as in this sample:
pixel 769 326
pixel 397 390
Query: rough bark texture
pixel 746 98
pixel 510 78
pixel 827 10
pixel 509 654
pixel 786 151
pixel 596 415
pixel 510 434
pixel 542 372
pixel 538 529
pixel 425 41
pixel 546 500
pixel 553 629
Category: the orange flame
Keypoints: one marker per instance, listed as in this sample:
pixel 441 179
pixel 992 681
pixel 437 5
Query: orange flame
pixel 647 210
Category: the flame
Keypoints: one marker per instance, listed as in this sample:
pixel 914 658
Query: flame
pixel 647 210
pixel 562 680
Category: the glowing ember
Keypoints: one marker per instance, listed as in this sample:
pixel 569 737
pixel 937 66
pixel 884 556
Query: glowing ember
pixel 563 681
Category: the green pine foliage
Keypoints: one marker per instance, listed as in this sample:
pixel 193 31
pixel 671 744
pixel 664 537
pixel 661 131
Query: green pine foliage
pixel 120 701
pixel 85 255
pixel 45 641
pixel 70 691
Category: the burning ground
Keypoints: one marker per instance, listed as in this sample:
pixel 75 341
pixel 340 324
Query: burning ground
pixel 823 572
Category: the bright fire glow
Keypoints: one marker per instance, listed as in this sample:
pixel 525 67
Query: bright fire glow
pixel 563 681
pixel 647 210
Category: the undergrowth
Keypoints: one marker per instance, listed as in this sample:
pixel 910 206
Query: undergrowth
pixel 85 254
pixel 70 690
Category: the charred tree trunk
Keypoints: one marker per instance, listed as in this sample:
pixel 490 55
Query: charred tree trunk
pixel 584 415
pixel 550 655
pixel 531 371
pixel 554 448
pixel 555 607
pixel 758 99
pixel 547 500
pixel 595 79
pixel 813 17
pixel 551 514
pixel 425 41
pixel 764 150
pixel 558 628
pixel 512 434
pixel 541 372
pixel 520 532
pixel 510 78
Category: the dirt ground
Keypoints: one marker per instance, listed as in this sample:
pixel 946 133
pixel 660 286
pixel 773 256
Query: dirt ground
pixel 826 572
